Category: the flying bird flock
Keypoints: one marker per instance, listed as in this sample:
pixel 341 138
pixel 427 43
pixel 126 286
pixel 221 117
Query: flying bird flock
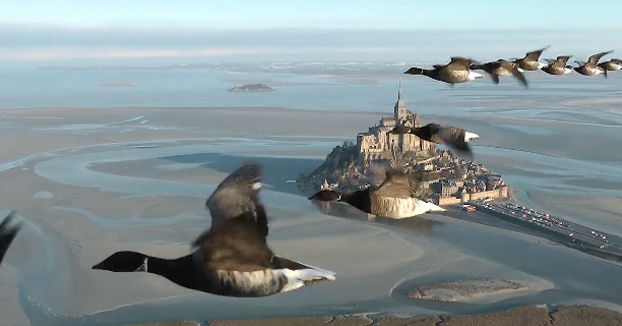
pixel 462 70
pixel 232 257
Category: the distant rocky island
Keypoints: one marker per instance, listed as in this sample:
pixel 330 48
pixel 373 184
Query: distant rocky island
pixel 252 88
pixel 445 178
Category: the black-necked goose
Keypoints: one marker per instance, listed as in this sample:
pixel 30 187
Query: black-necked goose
pixel 531 60
pixel 591 67
pixel 455 138
pixel 455 72
pixel 232 258
pixel 501 68
pixel 391 199
pixel 612 64
pixel 558 66
pixel 8 232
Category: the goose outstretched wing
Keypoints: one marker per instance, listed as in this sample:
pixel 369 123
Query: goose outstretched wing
pixel 593 59
pixel 395 185
pixel 535 55
pixel 236 194
pixel 453 137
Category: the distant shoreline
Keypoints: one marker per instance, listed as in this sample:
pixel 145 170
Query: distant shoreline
pixel 220 108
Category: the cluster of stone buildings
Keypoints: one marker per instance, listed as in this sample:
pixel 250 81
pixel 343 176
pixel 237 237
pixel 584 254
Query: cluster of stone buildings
pixel 469 180
pixel 473 182
pixel 378 143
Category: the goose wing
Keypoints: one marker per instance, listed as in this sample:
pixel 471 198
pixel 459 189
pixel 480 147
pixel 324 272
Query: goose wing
pixel 460 63
pixel 535 55
pixel 550 61
pixel 395 185
pixel 513 68
pixel 561 61
pixel 236 194
pixel 237 197
pixel 7 234
pixel 454 137
pixel 596 57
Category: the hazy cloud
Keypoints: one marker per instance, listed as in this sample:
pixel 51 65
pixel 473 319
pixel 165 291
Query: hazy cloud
pixel 37 42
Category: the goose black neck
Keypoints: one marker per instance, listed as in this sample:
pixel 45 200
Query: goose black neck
pixel 181 271
pixel 359 199
pixel 430 73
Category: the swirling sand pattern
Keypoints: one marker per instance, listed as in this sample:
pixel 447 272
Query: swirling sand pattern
pixel 113 195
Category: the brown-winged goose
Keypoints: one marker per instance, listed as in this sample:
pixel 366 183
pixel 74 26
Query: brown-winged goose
pixel 558 66
pixel 391 199
pixel 591 67
pixel 530 62
pixel 501 67
pixel 612 64
pixel 455 72
pixel 455 138
pixel 8 232
pixel 232 258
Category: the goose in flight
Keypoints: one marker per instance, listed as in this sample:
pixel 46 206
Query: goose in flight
pixel 231 258
pixel 558 66
pixel 455 72
pixel 391 199
pixel 8 233
pixel 530 61
pixel 501 68
pixel 455 138
pixel 591 67
pixel 612 64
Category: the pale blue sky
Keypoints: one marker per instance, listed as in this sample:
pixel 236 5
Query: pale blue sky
pixel 195 30
pixel 407 14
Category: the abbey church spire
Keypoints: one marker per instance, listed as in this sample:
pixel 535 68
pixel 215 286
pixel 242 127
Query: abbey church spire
pixel 399 110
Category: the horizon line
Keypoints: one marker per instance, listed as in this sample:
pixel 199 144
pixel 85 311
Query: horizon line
pixel 156 27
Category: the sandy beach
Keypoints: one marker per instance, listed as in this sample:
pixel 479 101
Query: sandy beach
pixel 94 181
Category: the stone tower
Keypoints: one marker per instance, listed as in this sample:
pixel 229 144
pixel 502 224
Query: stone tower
pixel 399 110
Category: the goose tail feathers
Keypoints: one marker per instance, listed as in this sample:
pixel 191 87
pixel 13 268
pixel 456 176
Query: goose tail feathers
pixel 309 275
pixel 434 208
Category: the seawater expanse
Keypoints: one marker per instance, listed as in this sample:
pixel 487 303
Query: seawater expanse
pixel 96 180
pixel 30 87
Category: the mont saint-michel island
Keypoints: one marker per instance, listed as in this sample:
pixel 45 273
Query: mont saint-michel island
pixel 261 87
pixel 448 179
pixel 467 189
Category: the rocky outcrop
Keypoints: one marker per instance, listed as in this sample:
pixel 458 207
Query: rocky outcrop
pixel 466 290
pixel 252 88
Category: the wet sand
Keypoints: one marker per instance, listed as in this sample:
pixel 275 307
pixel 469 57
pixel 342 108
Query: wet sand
pixel 529 315
pixel 94 181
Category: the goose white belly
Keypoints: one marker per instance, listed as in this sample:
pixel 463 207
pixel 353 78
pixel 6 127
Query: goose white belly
pixel 402 207
pixel 270 281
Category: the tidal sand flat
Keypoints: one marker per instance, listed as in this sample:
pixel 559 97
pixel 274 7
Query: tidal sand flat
pixel 528 315
pixel 468 291
pixel 92 182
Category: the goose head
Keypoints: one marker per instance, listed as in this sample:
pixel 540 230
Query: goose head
pixel 124 261
pixel 326 196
